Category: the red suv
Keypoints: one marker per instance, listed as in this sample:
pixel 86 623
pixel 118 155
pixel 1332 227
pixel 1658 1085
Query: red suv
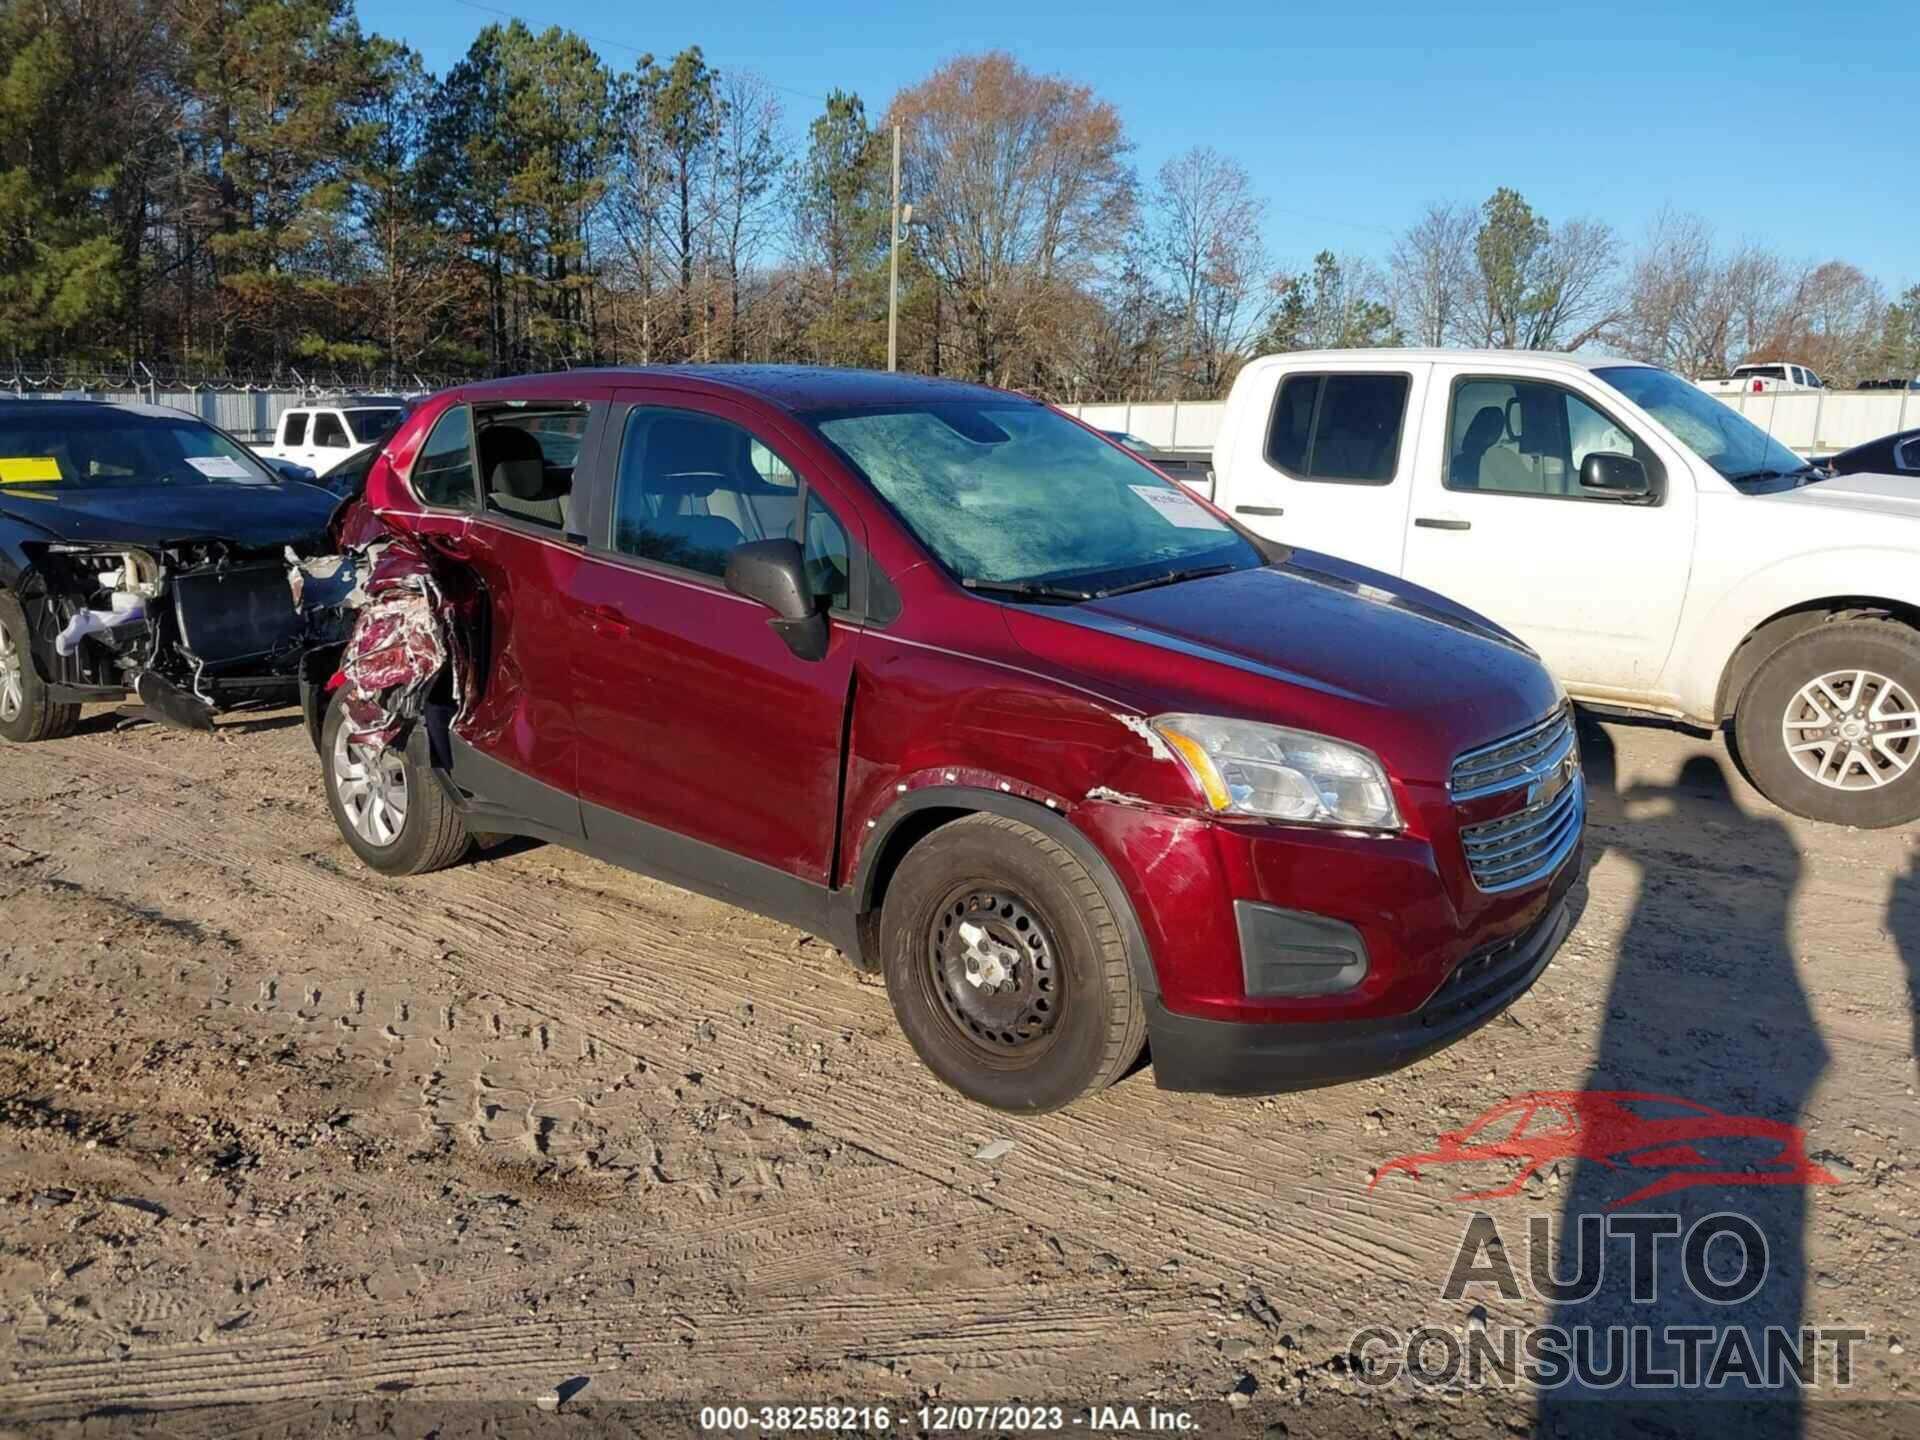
pixel 942 674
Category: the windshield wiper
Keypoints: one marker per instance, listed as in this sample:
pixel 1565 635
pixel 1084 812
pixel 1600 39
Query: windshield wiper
pixel 1172 577
pixel 1028 589
pixel 1752 475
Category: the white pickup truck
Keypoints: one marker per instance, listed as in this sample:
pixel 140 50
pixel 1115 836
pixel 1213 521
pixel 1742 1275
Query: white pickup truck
pixel 1658 550
pixel 320 436
pixel 1781 375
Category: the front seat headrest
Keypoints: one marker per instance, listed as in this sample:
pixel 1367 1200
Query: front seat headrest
pixel 514 465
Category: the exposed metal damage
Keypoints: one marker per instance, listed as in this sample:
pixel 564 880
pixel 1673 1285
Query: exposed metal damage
pixel 193 627
pixel 400 644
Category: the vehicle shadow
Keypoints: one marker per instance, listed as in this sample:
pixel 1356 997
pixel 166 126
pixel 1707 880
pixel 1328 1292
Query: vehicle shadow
pixel 1705 1006
pixel 1903 923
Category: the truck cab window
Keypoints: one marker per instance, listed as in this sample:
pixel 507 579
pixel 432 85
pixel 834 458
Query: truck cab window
pixel 1342 428
pixel 328 432
pixel 1518 437
pixel 296 430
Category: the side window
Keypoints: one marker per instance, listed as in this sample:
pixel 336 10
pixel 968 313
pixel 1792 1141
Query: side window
pixel 328 431
pixel 1907 456
pixel 443 475
pixel 296 428
pixel 526 461
pixel 1343 428
pixel 693 488
pixel 829 555
pixel 1521 437
pixel 1292 430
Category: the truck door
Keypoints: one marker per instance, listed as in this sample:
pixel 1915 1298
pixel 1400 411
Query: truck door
pixel 331 443
pixel 1501 523
pixel 1332 466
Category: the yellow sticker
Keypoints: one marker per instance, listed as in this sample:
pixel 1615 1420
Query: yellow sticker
pixel 29 469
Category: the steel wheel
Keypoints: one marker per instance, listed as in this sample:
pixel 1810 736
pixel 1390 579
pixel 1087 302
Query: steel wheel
pixel 372 789
pixel 1852 730
pixel 995 969
pixel 13 693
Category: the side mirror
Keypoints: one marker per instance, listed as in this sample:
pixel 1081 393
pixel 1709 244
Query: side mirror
pixel 774 573
pixel 1618 477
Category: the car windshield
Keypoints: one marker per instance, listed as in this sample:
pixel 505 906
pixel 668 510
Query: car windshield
pixel 373 426
pixel 97 449
pixel 1006 493
pixel 1717 433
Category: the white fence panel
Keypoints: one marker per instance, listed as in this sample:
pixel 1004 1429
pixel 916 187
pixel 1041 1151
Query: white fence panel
pixel 1171 425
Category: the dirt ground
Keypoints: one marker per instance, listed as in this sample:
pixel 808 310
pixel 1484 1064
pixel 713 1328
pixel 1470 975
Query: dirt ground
pixel 276 1130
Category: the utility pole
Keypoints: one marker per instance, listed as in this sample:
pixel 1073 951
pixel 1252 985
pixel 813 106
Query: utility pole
pixel 893 265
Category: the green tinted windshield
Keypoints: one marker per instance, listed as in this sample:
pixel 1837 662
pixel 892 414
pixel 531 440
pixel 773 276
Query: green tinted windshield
pixel 1004 491
pixel 99 447
pixel 1717 433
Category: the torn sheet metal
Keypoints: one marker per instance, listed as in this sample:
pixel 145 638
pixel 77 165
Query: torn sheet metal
pixel 398 647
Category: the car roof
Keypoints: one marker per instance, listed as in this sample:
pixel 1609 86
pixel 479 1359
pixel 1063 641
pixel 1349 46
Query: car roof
pixel 1500 358
pixel 96 407
pixel 790 387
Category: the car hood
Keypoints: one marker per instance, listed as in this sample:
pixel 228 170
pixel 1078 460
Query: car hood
pixel 252 514
pixel 1312 641
pixel 1875 494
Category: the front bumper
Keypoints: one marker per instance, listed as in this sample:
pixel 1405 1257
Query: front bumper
pixel 1254 1058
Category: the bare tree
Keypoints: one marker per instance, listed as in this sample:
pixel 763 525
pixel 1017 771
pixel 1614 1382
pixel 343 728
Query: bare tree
pixel 1020 187
pixel 1432 274
pixel 1207 236
pixel 745 194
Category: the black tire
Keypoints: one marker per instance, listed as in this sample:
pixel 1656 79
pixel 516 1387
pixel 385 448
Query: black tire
pixel 37 715
pixel 1880 648
pixel 432 834
pixel 1082 1022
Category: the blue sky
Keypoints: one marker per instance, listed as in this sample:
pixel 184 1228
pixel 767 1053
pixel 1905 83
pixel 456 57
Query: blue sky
pixel 1793 124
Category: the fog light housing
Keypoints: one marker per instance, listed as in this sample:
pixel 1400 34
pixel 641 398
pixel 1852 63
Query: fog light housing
pixel 1293 953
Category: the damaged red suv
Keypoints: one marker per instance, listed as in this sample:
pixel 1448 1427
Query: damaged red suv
pixel 939 673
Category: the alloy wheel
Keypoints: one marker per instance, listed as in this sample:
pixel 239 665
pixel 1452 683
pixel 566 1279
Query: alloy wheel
pixel 13 693
pixel 372 786
pixel 1852 730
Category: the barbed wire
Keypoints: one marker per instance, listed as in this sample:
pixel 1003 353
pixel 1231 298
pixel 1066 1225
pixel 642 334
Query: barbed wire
pixel 44 376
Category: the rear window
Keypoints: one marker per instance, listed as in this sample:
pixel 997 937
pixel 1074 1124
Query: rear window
pixel 1342 428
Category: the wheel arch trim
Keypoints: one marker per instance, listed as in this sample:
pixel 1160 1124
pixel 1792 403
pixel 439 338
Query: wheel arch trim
pixel 881 854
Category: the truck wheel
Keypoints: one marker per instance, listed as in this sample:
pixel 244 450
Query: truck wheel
pixel 390 807
pixel 1829 727
pixel 1006 968
pixel 27 713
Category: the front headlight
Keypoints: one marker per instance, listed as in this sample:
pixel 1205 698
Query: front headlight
pixel 1245 768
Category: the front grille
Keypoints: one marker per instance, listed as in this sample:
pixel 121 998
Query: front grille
pixel 1497 766
pixel 1522 847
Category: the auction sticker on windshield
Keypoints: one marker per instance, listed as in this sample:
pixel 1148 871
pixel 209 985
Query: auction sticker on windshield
pixel 1178 508
pixel 29 470
pixel 220 467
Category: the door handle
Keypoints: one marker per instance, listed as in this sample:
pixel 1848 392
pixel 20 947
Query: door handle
pixel 1259 510
pixel 607 620
pixel 1435 522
